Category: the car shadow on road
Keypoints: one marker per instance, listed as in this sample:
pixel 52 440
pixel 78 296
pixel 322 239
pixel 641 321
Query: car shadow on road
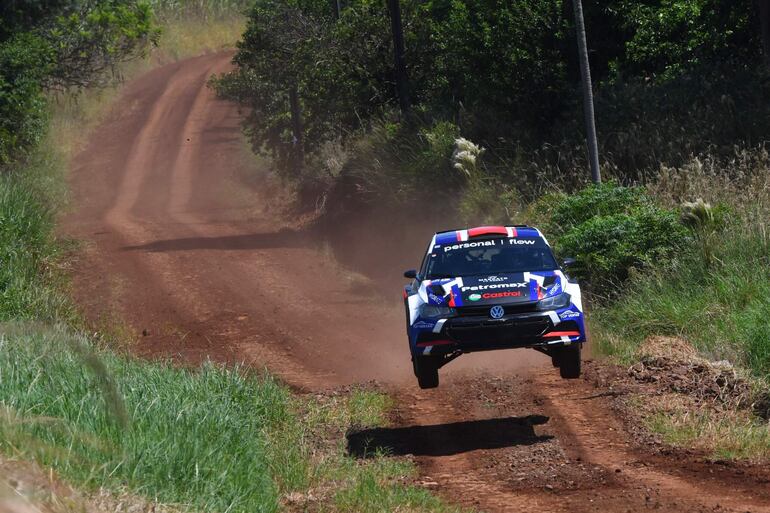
pixel 279 239
pixel 447 439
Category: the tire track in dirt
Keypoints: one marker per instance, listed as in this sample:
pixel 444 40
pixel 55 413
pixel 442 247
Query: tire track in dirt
pixel 185 254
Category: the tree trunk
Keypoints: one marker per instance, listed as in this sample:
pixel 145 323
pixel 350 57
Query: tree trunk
pixel 402 83
pixel 764 20
pixel 296 128
pixel 588 94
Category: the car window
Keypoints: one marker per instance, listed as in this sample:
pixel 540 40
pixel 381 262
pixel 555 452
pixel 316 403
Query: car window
pixel 489 256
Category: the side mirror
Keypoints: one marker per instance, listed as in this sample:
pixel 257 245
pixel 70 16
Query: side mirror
pixel 568 262
pixel 411 274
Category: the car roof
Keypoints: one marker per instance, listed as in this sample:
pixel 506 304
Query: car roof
pixel 461 235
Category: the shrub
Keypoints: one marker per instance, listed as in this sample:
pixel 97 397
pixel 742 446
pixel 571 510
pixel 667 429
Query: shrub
pixel 570 211
pixel 608 247
pixel 721 309
pixel 22 105
pixel 611 229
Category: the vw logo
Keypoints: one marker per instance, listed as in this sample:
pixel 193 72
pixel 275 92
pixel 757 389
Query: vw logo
pixel 496 312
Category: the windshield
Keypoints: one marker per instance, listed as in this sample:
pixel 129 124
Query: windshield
pixel 490 256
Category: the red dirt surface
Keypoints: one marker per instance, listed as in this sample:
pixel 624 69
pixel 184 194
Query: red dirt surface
pixel 181 250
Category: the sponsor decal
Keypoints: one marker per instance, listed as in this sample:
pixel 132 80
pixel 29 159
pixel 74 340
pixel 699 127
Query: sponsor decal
pixel 569 314
pixel 475 288
pixel 498 295
pixel 474 297
pixel 436 299
pixel 469 245
pixel 554 290
pixel 488 243
pixel 424 325
pixel 493 279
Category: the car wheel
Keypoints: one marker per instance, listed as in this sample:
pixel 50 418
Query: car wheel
pixel 569 361
pixel 426 371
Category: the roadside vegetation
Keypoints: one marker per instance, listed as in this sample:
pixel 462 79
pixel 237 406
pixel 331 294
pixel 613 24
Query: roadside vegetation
pixel 210 439
pixel 674 243
pixel 128 433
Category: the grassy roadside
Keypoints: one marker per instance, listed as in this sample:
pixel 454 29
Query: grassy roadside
pixel 665 275
pixel 712 296
pixel 211 439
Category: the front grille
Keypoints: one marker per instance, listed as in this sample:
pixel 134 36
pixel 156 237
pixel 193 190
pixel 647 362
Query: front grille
pixel 483 311
pixel 496 332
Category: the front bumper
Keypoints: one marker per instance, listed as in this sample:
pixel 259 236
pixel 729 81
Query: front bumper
pixel 467 334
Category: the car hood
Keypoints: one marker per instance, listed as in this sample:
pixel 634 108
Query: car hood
pixel 502 288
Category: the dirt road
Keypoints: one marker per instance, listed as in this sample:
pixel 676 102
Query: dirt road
pixel 181 249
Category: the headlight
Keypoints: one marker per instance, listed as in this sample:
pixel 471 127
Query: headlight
pixel 436 311
pixel 552 303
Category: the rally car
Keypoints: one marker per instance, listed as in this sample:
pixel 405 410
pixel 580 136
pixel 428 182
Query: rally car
pixel 492 287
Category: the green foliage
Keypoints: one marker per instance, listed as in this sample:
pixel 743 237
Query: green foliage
pixel 611 230
pixel 672 36
pixel 89 39
pixel 189 438
pixel 58 44
pixel 24 60
pixel 721 308
pixel 566 212
pixel 506 74
pixel 608 247
pixel 29 253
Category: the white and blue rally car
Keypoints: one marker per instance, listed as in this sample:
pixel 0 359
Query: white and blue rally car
pixel 492 287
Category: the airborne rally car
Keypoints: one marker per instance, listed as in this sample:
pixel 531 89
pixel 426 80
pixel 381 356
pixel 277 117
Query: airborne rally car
pixel 491 287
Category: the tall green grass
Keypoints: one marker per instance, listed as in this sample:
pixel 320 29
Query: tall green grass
pixel 29 252
pixel 211 439
pixel 716 294
pixel 191 438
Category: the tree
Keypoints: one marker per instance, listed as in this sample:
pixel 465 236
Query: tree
pixel 402 83
pixel 60 44
pixel 764 21
pixel 588 95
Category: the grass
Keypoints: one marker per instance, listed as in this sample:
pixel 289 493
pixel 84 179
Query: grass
pixel 29 254
pixel 715 295
pixel 193 35
pixel 718 299
pixel 722 435
pixel 211 439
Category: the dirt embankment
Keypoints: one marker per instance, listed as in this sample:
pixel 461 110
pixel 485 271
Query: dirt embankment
pixel 186 254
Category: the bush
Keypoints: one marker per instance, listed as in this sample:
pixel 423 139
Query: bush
pixel 608 247
pixel 22 105
pixel 63 45
pixel 721 309
pixel 570 211
pixel 610 230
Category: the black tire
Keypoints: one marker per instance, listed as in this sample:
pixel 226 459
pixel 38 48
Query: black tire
pixel 569 361
pixel 426 370
pixel 555 360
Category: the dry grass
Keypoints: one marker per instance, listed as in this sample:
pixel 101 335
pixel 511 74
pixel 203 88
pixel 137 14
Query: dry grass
pixel 27 488
pixel 688 402
pixel 191 36
pixel 724 434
